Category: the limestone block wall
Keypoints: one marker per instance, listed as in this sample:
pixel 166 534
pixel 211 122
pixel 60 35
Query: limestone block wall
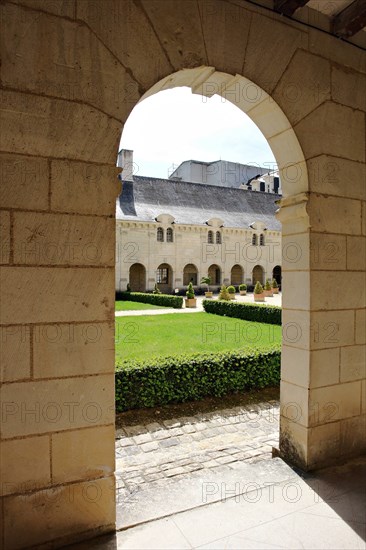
pixel 58 188
pixel 71 73
pixel 323 357
pixel 57 347
pixel 136 242
pixel 327 384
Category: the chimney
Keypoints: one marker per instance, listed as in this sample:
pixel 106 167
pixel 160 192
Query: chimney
pixel 125 161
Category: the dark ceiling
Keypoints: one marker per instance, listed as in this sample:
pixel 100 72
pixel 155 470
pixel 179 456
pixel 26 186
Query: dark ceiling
pixel 348 17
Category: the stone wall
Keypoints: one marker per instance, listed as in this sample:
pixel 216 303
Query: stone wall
pixel 137 243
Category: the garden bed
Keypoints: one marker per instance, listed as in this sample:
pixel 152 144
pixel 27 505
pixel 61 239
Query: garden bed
pixel 249 312
pixel 147 298
pixel 184 378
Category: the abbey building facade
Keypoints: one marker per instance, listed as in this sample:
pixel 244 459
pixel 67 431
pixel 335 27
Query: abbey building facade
pixel 171 232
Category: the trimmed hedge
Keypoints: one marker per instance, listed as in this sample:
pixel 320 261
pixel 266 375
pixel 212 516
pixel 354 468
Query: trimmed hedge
pixel 247 312
pixel 156 299
pixel 187 378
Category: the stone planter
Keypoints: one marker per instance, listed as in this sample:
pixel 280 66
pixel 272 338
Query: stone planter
pixel 259 297
pixel 268 293
pixel 232 296
pixel 275 290
pixel 243 292
pixel 191 302
pixel 208 294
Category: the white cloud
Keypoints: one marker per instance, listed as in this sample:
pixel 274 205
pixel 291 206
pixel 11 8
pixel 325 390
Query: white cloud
pixel 176 125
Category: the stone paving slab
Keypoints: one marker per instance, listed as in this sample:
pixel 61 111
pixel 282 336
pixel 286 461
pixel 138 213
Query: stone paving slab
pixel 154 501
pixel 258 506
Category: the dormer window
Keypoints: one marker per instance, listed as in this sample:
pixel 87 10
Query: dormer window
pixel 254 240
pixel 210 237
pixel 218 237
pixel 160 235
pixel 261 239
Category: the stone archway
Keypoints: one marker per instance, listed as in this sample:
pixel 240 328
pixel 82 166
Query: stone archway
pixel 190 274
pixel 258 274
pixel 237 275
pixel 164 278
pixel 277 274
pixel 138 278
pixel 63 110
pixel 214 272
pixel 259 106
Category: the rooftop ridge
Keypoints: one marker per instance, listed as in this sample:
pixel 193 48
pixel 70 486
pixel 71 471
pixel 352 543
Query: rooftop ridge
pixel 200 185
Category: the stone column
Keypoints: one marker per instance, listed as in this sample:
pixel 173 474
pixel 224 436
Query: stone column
pixel 57 350
pixel 59 133
pixel 323 354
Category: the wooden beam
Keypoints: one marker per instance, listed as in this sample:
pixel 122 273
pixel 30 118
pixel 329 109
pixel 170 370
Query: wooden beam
pixel 288 7
pixel 351 20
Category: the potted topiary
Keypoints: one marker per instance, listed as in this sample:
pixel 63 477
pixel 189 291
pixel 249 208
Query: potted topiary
pixel 268 289
pixel 258 292
pixel 224 295
pixel 243 289
pixel 207 281
pixel 231 291
pixel 190 300
pixel 274 286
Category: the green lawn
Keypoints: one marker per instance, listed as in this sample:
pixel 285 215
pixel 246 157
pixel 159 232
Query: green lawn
pixel 124 305
pixel 173 334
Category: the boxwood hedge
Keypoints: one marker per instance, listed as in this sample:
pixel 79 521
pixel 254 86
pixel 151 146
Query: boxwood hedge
pixel 186 378
pixel 248 312
pixel 156 299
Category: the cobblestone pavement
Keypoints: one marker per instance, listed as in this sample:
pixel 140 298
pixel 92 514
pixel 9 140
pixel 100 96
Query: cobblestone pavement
pixel 160 449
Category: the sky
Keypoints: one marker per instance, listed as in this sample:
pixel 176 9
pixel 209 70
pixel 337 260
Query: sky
pixel 175 125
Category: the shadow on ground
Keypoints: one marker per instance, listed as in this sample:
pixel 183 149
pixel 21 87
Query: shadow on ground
pixel 203 407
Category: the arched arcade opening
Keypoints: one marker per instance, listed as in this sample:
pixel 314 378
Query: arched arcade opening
pixel 164 278
pixel 214 272
pixel 137 278
pixel 65 154
pixel 237 275
pixel 190 275
pixel 277 274
pixel 258 274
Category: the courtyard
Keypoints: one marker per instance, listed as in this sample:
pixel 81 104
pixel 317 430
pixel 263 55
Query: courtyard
pixel 178 441
pixel 158 447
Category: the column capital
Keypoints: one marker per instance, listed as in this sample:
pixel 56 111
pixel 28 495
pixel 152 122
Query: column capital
pixel 293 210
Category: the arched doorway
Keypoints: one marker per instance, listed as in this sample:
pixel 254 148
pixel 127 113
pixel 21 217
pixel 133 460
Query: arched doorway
pixel 277 274
pixel 103 119
pixel 258 274
pixel 137 278
pixel 237 275
pixel 214 272
pixel 75 173
pixel 190 274
pixel 254 102
pixel 164 277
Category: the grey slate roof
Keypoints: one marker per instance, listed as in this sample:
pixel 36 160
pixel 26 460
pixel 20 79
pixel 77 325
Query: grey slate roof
pixel 193 203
